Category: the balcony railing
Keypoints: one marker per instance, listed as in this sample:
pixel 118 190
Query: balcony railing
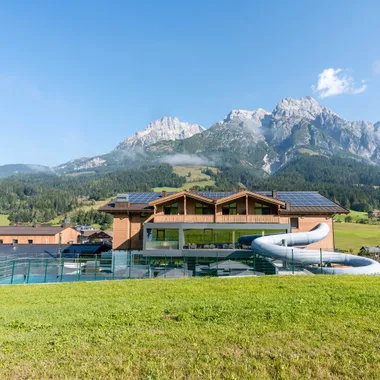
pixel 162 245
pixel 231 218
pixel 275 219
pixel 184 219
pixel 247 219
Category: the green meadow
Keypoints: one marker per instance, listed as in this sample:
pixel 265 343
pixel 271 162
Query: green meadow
pixel 194 177
pixel 355 216
pixel 311 327
pixel 4 220
pixel 352 236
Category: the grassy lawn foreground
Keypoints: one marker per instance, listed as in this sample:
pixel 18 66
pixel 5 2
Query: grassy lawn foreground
pixel 272 327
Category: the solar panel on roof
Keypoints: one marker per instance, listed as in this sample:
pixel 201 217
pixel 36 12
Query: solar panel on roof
pixel 307 198
pixel 215 194
pixel 143 197
pixel 295 198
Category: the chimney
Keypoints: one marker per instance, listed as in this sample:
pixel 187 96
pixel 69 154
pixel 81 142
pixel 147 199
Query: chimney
pixel 37 225
pixel 287 206
pixel 163 193
pixel 66 223
pixel 122 201
pixel 274 194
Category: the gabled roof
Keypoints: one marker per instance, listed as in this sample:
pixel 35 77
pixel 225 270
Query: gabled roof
pixel 35 231
pixel 300 202
pixel 228 198
pixel 96 232
pixel 180 195
pixel 252 195
pixel 138 207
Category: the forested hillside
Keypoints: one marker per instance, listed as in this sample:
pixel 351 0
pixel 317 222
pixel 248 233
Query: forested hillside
pixel 43 197
pixel 351 183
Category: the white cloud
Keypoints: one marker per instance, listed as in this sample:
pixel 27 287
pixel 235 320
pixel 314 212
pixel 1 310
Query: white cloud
pixel 185 159
pixel 376 67
pixel 336 82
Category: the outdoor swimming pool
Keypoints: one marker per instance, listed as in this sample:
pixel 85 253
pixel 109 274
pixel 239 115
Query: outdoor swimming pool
pixel 41 279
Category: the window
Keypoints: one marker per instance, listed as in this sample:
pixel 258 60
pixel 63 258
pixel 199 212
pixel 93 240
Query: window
pixel 171 209
pixel 208 235
pixel 160 235
pixel 1 241
pixel 201 209
pixel 30 241
pixel 294 222
pixel 15 241
pixel 230 209
pixel 262 209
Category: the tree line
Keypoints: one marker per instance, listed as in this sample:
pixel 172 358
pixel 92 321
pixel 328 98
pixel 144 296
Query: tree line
pixel 351 183
pixel 43 197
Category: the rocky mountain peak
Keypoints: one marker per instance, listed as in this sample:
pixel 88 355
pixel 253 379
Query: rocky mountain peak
pixel 303 107
pixel 257 138
pixel 168 128
pixel 256 116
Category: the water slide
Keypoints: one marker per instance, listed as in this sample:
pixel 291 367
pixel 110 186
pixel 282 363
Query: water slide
pixel 280 247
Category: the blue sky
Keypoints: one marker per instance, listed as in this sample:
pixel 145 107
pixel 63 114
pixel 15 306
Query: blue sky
pixel 77 77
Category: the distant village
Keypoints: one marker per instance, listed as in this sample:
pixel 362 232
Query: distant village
pixel 66 240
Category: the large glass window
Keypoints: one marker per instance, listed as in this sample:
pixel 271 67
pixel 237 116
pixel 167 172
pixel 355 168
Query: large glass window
pixel 171 209
pixel 159 235
pixel 208 235
pixel 262 209
pixel 230 209
pixel 219 238
pixel 162 238
pixel 166 234
pixel 201 209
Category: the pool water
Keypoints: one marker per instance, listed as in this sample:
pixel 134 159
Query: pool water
pixel 40 279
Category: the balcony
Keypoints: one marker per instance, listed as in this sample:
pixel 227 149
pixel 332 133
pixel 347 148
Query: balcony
pixel 154 245
pixel 184 219
pixel 255 219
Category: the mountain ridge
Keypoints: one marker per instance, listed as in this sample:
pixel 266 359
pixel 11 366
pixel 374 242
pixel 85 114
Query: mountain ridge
pixel 14 169
pixel 259 139
pixel 167 128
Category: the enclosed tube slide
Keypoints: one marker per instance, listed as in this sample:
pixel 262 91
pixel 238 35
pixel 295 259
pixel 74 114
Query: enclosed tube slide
pixel 272 246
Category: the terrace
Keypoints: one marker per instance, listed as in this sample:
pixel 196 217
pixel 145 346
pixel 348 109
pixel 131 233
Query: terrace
pixel 187 239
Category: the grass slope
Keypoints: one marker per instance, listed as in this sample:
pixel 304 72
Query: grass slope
pixel 4 220
pixel 87 206
pixel 318 327
pixel 355 215
pixel 352 236
pixel 194 170
pixel 196 178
